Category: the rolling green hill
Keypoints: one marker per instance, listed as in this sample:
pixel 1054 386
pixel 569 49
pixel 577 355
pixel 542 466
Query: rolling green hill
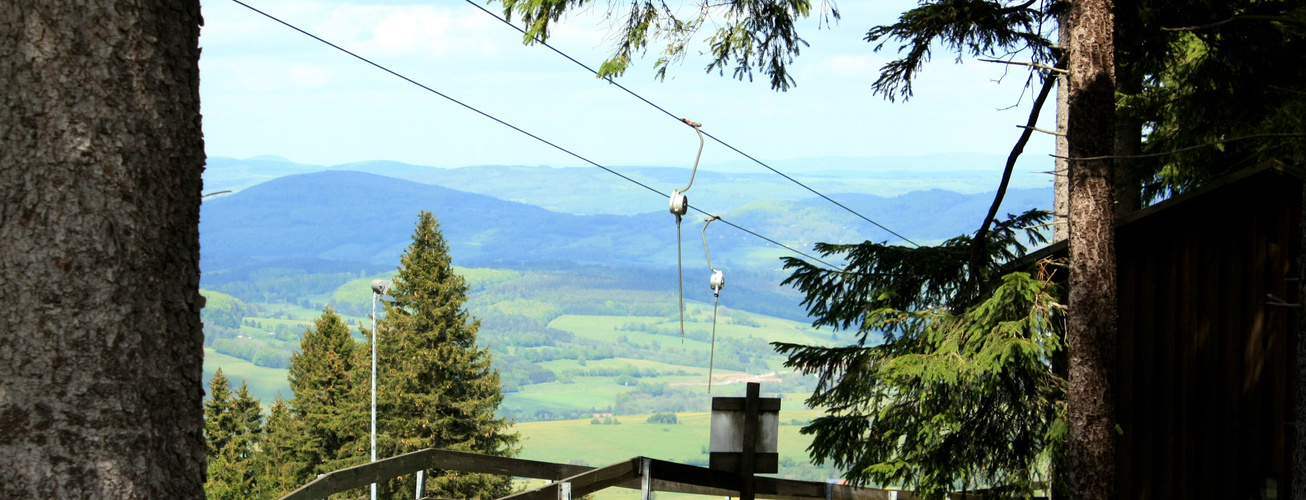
pixel 566 342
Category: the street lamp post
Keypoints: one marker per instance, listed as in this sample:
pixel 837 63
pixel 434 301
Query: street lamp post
pixel 379 287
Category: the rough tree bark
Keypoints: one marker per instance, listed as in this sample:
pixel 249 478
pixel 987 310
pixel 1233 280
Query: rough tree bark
pixel 101 153
pixel 1091 324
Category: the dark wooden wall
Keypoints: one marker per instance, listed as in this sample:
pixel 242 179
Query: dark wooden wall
pixel 1206 371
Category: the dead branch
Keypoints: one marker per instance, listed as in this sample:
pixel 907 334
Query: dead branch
pixel 1029 64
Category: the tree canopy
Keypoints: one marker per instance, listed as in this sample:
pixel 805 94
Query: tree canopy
pixel 435 386
pixel 1163 95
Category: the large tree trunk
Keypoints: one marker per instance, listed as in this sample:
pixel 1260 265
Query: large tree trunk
pixel 1129 127
pixel 1091 325
pixel 101 153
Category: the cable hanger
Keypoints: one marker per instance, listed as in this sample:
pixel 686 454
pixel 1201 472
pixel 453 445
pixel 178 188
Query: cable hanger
pixel 679 207
pixel 716 282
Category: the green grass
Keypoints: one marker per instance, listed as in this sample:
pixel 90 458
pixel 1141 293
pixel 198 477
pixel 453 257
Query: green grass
pixel 697 317
pixel 219 300
pixel 264 383
pixel 579 441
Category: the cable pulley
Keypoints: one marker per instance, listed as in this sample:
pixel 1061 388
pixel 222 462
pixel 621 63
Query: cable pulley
pixel 716 283
pixel 679 207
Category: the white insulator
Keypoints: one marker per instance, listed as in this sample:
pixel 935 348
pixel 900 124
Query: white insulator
pixel 717 282
pixel 679 203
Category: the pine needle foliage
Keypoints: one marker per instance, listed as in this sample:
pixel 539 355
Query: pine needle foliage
pixel 327 405
pixel 278 466
pixel 1225 70
pixel 436 388
pixel 976 27
pixel 233 428
pixel 746 36
pixel 961 393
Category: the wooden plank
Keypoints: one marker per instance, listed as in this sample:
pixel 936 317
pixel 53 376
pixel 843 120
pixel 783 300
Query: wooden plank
pixel 1127 335
pixel 668 477
pixel 698 476
pixel 361 475
pixel 737 404
pixel 584 483
pixel 503 466
pixel 1189 301
pixel 763 463
pixel 383 470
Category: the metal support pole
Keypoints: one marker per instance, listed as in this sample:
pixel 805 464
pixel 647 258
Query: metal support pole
pixel 421 483
pixel 374 387
pixel 564 491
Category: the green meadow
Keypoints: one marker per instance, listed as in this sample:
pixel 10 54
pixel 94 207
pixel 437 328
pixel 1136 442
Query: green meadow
pixel 568 345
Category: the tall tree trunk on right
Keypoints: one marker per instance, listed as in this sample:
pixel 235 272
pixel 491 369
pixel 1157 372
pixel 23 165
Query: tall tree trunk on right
pixel 1129 127
pixel 1091 324
pixel 101 348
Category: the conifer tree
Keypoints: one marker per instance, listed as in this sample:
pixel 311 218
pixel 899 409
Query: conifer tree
pixel 278 467
pixel 436 388
pixel 218 419
pixel 233 426
pixel 326 398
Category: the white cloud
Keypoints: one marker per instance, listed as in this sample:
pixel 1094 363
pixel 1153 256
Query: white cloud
pixel 410 30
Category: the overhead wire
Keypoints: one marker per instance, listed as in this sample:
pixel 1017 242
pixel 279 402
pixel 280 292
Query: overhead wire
pixel 533 136
pixel 709 135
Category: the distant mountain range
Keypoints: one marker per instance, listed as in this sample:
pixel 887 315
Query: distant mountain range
pixel 338 219
pixel 716 188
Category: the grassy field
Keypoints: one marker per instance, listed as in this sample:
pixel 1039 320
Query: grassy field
pixel 582 442
pixel 264 383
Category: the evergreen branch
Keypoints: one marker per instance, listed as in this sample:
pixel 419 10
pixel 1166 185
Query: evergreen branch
pixel 1180 150
pixel 976 27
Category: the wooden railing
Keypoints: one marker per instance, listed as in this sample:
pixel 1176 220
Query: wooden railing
pixel 574 481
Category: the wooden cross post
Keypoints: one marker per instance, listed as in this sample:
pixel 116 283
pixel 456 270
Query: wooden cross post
pixel 747 463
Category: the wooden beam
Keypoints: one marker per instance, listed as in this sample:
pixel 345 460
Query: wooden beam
pixel 667 476
pixel 361 475
pixel 584 483
pixel 382 470
pixel 737 404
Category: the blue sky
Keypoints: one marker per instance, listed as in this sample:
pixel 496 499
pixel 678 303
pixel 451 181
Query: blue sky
pixel 267 90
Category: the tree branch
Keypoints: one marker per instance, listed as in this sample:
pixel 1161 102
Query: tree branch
pixel 980 243
pixel 1030 64
pixel 1181 150
pixel 1036 129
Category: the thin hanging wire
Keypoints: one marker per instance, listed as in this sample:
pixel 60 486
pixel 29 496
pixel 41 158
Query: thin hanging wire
pixel 716 282
pixel 680 275
pixel 711 358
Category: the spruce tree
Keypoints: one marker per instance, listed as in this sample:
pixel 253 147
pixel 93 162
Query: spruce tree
pixel 326 397
pixel 436 388
pixel 218 419
pixel 234 427
pixel 278 469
